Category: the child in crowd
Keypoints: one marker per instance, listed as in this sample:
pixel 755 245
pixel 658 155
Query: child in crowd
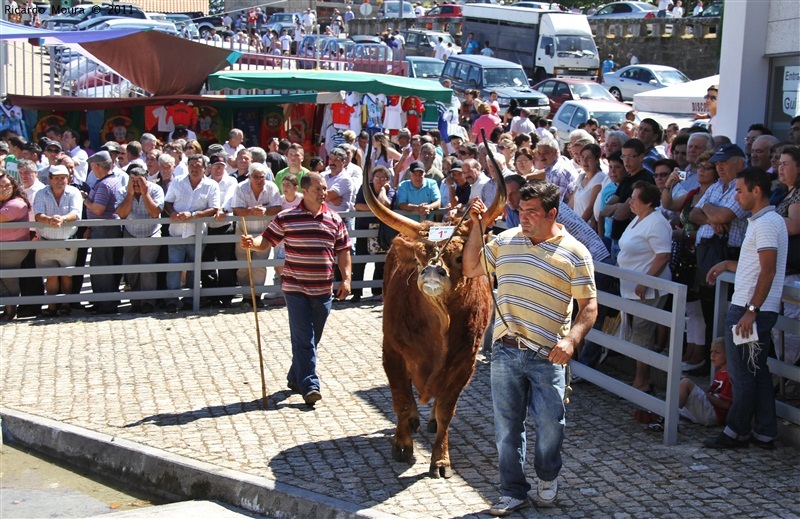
pixel 708 407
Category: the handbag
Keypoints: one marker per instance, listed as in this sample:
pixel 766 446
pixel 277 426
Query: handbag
pixel 710 251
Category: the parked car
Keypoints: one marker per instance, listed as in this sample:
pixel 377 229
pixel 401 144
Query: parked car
pixel 713 10
pixel 391 9
pixel 290 18
pixel 445 11
pixel 633 79
pixel 626 10
pixel 82 12
pixel 542 6
pixel 365 38
pixel 423 67
pixel 88 24
pixel 178 19
pixel 127 23
pixel 560 90
pixel 485 74
pixel 422 43
pixel 574 113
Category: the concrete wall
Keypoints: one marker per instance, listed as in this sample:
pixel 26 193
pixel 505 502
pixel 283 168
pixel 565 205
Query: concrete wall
pixel 783 28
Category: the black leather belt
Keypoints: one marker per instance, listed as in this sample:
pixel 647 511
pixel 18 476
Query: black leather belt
pixel 512 341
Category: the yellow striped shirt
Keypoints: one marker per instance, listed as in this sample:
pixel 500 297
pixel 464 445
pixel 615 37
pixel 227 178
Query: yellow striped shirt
pixel 536 284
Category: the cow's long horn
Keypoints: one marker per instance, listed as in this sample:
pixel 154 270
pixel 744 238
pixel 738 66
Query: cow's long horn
pixel 402 224
pixel 499 203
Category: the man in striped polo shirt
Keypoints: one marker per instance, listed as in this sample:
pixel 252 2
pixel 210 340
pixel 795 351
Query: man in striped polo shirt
pixel 540 270
pixel 314 236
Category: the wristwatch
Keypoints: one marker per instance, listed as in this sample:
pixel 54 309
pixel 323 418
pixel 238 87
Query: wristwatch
pixel 752 308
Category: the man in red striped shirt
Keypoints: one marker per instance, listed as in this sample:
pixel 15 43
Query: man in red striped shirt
pixel 314 236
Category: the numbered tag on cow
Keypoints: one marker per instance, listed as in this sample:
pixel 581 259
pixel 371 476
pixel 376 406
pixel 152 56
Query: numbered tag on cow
pixel 441 233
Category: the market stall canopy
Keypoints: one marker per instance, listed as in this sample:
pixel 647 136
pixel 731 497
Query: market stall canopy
pixel 91 103
pixel 162 64
pixel 330 81
pixel 685 98
pixel 13 31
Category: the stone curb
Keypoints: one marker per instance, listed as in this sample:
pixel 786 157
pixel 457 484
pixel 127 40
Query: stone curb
pixel 170 475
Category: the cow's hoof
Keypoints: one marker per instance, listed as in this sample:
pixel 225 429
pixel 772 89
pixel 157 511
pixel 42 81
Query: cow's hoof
pixel 432 426
pixel 413 423
pixel 440 470
pixel 403 454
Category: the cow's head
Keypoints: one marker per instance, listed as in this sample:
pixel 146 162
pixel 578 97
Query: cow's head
pixel 438 264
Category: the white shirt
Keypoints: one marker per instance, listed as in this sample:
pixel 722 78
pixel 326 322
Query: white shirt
pixel 583 195
pixel 244 197
pixel 477 187
pixel 521 124
pixel 765 230
pixel 342 185
pixel 232 152
pixel 356 174
pixel 439 51
pixel 638 245
pixel 30 192
pixel 81 166
pixel 227 190
pixel 184 198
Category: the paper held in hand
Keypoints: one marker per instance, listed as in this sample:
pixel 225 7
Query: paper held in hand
pixel 738 339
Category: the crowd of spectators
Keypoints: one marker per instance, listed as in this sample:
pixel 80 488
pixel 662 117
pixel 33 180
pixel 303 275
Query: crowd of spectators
pixel 659 201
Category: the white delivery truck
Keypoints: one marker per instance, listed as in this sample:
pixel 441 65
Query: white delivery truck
pixel 545 43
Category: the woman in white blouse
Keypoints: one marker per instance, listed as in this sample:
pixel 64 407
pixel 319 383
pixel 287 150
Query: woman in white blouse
pixel 645 247
pixel 589 182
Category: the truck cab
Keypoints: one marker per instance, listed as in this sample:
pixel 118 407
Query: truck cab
pixel 564 46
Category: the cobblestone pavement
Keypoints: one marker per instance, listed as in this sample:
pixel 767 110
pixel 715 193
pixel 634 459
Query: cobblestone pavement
pixel 190 384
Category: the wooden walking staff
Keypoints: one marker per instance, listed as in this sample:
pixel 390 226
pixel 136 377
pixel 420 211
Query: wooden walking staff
pixel 255 314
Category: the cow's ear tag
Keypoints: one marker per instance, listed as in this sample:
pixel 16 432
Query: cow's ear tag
pixel 441 233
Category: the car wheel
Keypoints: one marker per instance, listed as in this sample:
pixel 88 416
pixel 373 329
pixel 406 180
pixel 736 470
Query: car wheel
pixel 205 33
pixel 614 91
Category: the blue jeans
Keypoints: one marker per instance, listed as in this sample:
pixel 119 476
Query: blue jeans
pixel 753 395
pixel 307 317
pixel 182 253
pixel 515 375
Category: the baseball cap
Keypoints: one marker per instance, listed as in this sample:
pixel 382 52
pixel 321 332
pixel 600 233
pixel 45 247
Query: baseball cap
pixel 725 152
pixel 216 148
pixel 416 165
pixel 100 156
pixel 216 158
pixel 111 146
pixel 457 165
pixel 51 143
pixel 455 136
pixel 58 170
pixel 4 146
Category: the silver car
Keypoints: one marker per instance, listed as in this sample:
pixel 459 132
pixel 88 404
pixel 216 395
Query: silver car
pixel 633 79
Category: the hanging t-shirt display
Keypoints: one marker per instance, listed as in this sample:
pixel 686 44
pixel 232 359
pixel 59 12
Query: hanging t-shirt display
pixel 341 113
pixel 354 99
pixel 182 115
pixel 393 114
pixel 413 108
pixel 373 112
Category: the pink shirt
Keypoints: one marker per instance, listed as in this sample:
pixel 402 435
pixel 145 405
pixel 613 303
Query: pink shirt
pixel 488 122
pixel 16 211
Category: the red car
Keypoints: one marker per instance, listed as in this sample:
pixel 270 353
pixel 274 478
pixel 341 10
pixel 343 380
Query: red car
pixel 441 13
pixel 560 90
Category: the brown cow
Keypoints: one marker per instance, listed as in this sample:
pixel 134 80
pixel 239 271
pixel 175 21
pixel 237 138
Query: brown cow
pixel 433 325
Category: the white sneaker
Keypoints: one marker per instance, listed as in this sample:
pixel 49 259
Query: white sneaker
pixel 507 504
pixel 547 492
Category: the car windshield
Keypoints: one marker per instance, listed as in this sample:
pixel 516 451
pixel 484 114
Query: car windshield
pixel 427 69
pixel 591 91
pixel 671 77
pixel 503 77
pixel 575 46
pixel 394 7
pixel 447 38
pixel 608 118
